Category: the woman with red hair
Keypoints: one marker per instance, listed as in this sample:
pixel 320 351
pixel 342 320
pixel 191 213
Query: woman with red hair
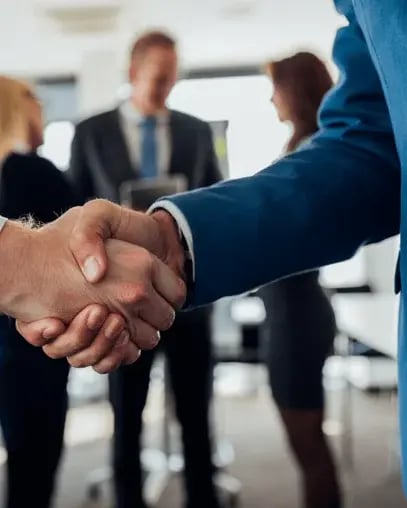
pixel 300 324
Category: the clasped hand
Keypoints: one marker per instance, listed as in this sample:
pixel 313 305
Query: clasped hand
pixel 106 279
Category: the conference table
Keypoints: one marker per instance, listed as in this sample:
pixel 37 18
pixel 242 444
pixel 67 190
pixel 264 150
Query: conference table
pixel 371 318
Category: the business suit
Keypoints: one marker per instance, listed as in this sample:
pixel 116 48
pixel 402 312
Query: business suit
pixel 100 163
pixel 340 191
pixel 33 396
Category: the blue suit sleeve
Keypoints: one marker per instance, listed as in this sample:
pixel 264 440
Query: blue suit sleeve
pixel 311 208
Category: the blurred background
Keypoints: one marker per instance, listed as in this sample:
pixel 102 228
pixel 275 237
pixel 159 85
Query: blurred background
pixel 75 54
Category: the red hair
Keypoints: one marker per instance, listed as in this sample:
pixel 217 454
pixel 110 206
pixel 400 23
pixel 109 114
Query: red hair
pixel 304 80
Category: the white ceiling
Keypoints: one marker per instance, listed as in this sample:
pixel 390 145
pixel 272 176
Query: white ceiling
pixel 210 32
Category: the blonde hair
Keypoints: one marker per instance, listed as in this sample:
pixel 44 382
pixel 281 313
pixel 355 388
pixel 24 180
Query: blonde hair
pixel 13 114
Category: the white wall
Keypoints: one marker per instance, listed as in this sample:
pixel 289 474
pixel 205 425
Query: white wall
pixel 208 35
pixel 36 45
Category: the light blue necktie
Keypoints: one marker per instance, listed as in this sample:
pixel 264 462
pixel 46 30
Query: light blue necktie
pixel 149 152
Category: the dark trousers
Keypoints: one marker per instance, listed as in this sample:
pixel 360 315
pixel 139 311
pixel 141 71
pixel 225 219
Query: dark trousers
pixel 33 405
pixel 188 353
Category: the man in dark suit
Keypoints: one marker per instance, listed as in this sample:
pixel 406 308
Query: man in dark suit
pixel 143 139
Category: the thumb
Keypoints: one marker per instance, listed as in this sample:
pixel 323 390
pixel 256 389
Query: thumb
pixel 100 220
pixel 88 248
pixel 94 225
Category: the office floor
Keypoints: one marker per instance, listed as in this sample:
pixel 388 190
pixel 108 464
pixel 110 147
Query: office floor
pixel 262 462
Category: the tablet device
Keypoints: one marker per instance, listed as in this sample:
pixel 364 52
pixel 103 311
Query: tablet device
pixel 140 194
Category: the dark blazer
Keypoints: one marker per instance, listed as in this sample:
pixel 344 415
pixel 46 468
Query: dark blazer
pixel 31 185
pixel 100 161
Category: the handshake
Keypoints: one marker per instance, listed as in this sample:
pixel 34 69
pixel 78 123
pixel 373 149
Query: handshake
pixel 95 286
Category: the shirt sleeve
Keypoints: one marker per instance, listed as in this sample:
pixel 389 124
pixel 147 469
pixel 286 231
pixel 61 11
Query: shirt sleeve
pixel 182 224
pixel 3 221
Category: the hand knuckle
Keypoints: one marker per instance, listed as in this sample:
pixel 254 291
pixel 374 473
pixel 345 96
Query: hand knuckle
pixel 100 369
pixel 91 358
pixel 135 293
pixel 78 238
pixel 97 206
pixel 77 363
pixel 108 365
pixel 36 340
pixel 74 210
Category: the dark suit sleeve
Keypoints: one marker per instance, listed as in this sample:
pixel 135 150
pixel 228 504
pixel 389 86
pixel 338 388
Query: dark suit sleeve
pixel 79 172
pixel 314 207
pixel 212 172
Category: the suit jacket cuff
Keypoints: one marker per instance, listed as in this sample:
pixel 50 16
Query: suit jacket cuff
pixel 182 223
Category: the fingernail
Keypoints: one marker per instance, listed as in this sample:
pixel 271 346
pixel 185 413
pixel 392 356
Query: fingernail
pixel 123 339
pixel 156 339
pixel 91 269
pixel 172 319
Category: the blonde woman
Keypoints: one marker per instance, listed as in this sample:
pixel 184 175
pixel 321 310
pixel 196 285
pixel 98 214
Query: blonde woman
pixel 33 399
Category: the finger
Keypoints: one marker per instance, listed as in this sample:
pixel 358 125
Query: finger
pixel 167 284
pixel 79 334
pixel 39 333
pixel 119 355
pixel 113 333
pixel 155 311
pixel 132 354
pixel 144 335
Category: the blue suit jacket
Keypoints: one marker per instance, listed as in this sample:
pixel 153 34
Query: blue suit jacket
pixel 342 190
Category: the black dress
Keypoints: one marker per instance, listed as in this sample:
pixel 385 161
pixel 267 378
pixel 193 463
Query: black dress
pixel 33 398
pixel 299 331
pixel 298 335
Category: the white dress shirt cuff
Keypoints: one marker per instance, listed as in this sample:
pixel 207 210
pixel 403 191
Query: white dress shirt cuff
pixel 182 223
pixel 3 221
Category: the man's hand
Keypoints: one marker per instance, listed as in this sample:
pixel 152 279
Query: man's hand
pixel 104 341
pixel 47 282
pixel 100 220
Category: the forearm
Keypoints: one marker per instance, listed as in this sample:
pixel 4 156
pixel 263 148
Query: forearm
pixel 15 274
pixel 312 208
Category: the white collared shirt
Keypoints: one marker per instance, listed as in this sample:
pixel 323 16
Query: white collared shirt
pixel 130 120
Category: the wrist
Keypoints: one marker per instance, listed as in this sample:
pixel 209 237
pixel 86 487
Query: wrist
pixel 172 252
pixel 16 275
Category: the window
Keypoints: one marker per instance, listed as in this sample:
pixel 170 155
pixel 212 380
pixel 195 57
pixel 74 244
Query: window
pixel 60 106
pixel 254 135
pixel 57 143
